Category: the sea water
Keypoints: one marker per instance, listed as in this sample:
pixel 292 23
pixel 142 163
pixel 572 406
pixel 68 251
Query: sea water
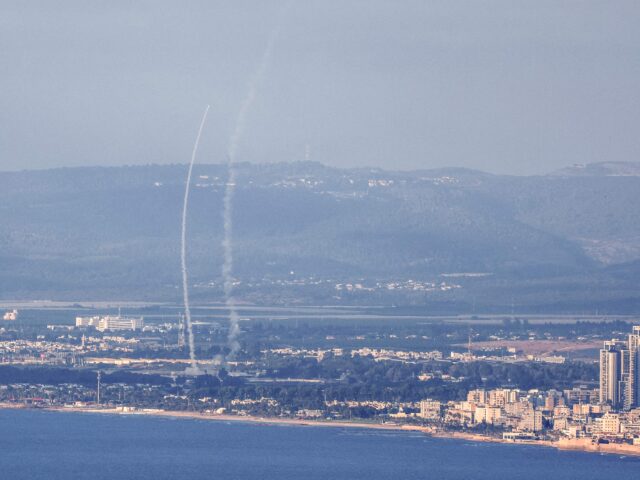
pixel 58 445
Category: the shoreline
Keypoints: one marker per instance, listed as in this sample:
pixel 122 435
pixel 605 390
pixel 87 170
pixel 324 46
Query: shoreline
pixel 581 444
pixel 232 418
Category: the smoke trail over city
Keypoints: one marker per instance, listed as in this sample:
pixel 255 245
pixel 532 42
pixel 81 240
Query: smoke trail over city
pixel 234 141
pixel 183 247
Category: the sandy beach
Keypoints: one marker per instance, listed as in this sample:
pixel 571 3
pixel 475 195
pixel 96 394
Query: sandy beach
pixel 241 418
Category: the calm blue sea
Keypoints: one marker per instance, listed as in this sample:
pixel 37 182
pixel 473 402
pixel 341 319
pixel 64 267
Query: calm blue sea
pixel 53 446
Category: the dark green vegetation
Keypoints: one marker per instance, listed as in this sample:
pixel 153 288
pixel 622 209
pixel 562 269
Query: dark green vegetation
pixel 564 242
pixel 85 377
pixel 365 379
pixel 341 379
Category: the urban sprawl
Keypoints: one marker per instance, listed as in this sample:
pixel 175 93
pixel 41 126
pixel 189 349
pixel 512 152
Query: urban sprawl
pixel 126 365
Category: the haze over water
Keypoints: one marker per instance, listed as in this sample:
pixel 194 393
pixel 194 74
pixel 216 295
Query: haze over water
pixel 92 446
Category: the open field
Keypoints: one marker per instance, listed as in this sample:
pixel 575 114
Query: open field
pixel 65 312
pixel 538 347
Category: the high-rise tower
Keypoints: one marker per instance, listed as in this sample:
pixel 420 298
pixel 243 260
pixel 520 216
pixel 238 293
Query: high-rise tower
pixel 620 372
pixel 633 384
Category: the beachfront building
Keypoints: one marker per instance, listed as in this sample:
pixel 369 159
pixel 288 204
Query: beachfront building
pixel 487 414
pixel 531 421
pixel 620 372
pixel 430 409
pixel 610 423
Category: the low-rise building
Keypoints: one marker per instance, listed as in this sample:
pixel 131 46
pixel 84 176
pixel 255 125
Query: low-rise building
pixel 610 423
pixel 560 423
pixel 458 416
pixel 111 322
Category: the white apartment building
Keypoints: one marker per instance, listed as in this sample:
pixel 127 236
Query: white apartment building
pixel 611 423
pixel 430 409
pixel 501 397
pixel 477 396
pixel 487 414
pixel 531 421
pixel 111 322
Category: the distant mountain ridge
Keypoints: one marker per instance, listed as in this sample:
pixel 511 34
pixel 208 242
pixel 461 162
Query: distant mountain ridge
pixel 615 169
pixel 571 237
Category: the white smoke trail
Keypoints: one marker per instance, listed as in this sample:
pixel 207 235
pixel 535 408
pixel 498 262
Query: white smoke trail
pixel 183 248
pixel 234 140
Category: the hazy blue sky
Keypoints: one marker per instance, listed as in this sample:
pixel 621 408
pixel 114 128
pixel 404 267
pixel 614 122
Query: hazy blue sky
pixel 505 86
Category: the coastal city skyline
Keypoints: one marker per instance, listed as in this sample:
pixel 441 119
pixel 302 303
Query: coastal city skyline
pixel 600 415
pixel 319 240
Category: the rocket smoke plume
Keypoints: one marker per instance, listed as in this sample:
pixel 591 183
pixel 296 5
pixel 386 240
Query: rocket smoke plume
pixel 183 247
pixel 234 140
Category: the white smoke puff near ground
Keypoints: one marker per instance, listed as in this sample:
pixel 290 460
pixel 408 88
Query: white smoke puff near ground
pixel 234 140
pixel 183 249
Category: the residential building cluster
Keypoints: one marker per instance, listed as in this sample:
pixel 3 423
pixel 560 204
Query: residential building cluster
pixel 407 356
pixel 510 409
pixel 39 352
pixel 381 354
pixel 571 413
pixel 372 404
pixel 378 354
pixel 66 350
pixel 512 358
pixel 611 411
pixel 317 353
pixel 406 285
pixel 10 315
